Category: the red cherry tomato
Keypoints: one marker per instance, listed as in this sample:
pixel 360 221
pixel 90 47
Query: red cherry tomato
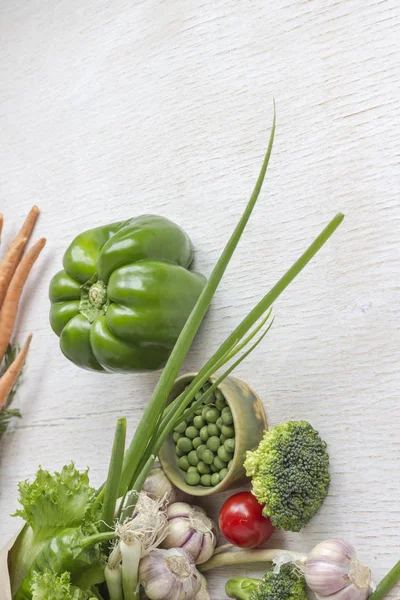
pixel 242 523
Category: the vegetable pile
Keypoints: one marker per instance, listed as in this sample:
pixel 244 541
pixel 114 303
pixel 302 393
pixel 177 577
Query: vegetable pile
pixel 132 535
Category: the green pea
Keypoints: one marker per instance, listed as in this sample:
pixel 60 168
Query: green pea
pixel 213 429
pixel 184 463
pixel 204 433
pixel 224 455
pixel 181 427
pixel 202 468
pixel 213 467
pixel 222 474
pixel 212 415
pixel 176 436
pixel 200 450
pixel 219 423
pixel 196 442
pixel 192 432
pixel 213 443
pixel 199 422
pixel 208 456
pixel 193 458
pixel 230 463
pixel 189 418
pixel 198 395
pixel 227 417
pixel 185 444
pixel 210 399
pixel 198 411
pixel 228 431
pixel 205 480
pixel 223 438
pixel 229 445
pixel 220 401
pixel 192 478
pixel 192 469
pixel 218 463
pixel 179 452
pixel 203 412
pixel 215 479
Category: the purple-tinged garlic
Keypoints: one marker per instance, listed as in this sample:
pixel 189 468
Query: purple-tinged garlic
pixel 190 528
pixel 169 575
pixel 159 486
pixel 333 572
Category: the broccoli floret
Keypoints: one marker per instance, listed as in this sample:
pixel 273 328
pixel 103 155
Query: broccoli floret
pixel 288 584
pixel 289 472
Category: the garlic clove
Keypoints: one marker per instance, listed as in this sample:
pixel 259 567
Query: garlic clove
pixel 169 575
pixel 325 577
pixel 333 550
pixel 333 572
pixel 350 592
pixel 190 528
pixel 194 544
pixel 178 509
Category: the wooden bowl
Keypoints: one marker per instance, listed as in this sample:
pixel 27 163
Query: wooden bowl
pixel 249 420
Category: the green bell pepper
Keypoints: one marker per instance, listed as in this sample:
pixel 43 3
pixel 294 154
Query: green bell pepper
pixel 124 295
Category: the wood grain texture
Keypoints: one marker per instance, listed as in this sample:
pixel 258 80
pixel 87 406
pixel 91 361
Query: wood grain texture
pixel 109 109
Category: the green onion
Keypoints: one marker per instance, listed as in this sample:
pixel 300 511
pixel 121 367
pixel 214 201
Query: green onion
pixel 158 421
pixel 114 473
pixel 155 407
pixel 387 583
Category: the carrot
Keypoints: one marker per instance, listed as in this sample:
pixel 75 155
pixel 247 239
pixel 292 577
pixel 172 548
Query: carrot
pixel 8 266
pixel 9 309
pixel 14 252
pixel 8 380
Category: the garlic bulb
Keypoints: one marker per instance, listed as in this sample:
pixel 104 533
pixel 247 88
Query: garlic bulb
pixel 158 485
pixel 190 528
pixel 169 575
pixel 333 571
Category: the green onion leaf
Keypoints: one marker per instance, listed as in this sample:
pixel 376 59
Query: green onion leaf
pixel 150 419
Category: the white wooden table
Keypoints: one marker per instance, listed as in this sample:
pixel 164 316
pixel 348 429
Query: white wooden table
pixel 112 109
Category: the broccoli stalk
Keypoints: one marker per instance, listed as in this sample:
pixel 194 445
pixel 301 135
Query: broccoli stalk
pixel 288 584
pixel 289 473
pixel 240 588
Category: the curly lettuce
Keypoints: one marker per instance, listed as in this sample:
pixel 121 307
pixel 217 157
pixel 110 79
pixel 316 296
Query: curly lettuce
pixel 47 586
pixel 61 533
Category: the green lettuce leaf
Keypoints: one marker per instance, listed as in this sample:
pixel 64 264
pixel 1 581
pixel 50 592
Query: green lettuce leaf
pixel 55 501
pixel 60 513
pixel 47 586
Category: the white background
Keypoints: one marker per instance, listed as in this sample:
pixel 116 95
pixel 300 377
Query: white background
pixel 112 109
